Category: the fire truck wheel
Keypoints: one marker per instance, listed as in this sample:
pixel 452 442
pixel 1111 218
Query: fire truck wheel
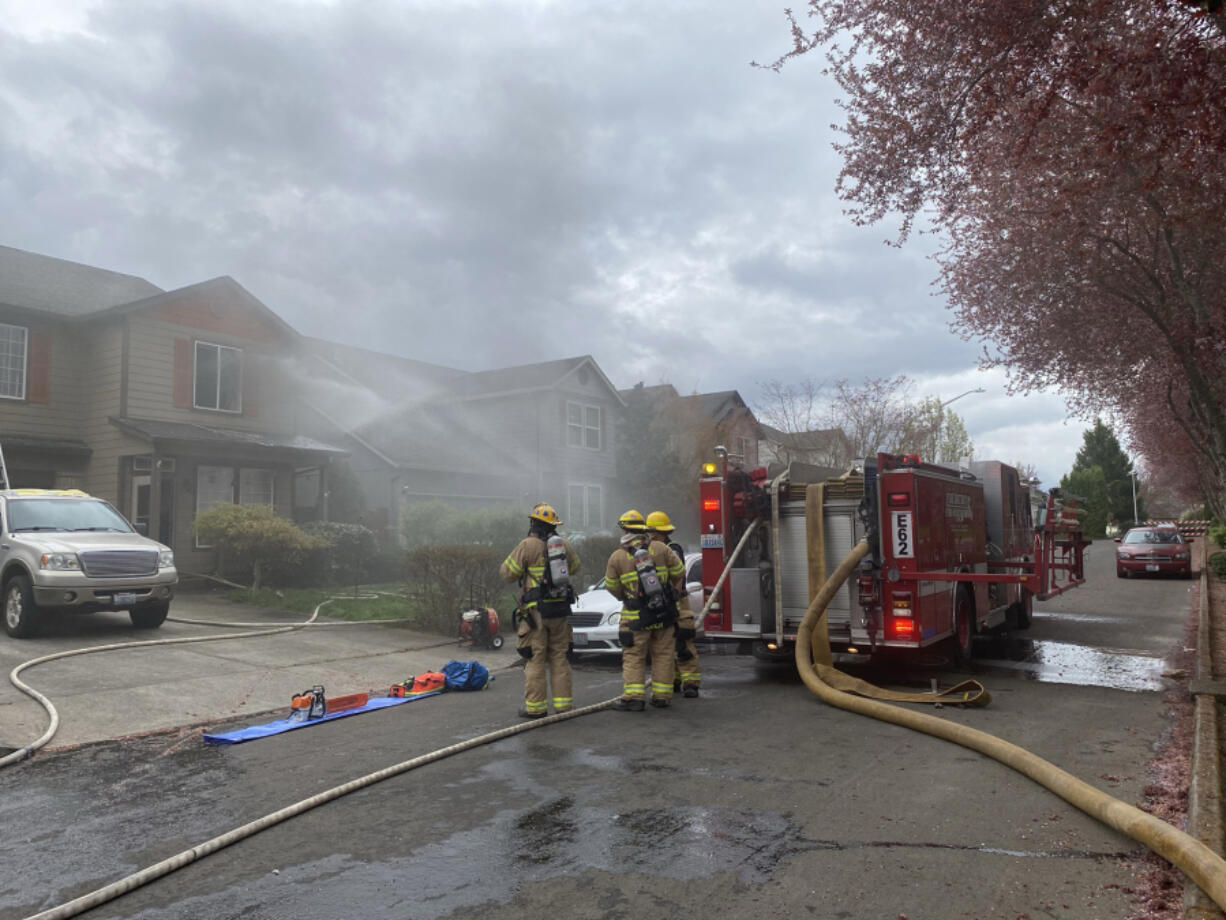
pixel 964 629
pixel 1025 608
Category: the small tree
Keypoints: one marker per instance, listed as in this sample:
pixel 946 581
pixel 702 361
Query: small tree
pixel 254 535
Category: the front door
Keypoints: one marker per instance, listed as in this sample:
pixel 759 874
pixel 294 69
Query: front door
pixel 138 513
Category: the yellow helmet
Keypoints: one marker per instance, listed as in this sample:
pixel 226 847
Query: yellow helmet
pixel 632 521
pixel 545 514
pixel 659 522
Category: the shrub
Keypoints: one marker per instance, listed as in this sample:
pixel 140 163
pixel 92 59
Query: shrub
pixel 594 553
pixel 437 523
pixel 1217 563
pixel 1217 533
pixel 255 535
pixel 444 581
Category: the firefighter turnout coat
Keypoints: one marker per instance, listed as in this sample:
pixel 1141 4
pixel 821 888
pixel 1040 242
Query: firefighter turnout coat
pixel 622 581
pixel 543 628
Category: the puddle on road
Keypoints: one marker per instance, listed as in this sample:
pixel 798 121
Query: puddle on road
pixel 1065 663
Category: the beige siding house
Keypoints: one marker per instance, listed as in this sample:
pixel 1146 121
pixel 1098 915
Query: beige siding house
pixel 163 402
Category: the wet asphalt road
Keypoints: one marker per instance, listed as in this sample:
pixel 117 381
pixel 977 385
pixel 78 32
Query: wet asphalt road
pixel 754 800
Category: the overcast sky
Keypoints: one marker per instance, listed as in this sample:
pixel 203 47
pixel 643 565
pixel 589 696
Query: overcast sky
pixel 485 184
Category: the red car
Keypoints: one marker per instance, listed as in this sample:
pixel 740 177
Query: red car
pixel 1152 551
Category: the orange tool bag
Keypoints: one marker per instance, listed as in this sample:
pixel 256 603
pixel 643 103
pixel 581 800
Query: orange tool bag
pixel 429 682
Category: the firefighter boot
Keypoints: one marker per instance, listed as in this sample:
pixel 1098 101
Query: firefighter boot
pixel 625 705
pixel 690 692
pixel 659 703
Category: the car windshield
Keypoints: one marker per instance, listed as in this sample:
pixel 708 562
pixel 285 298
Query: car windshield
pixel 64 514
pixel 1152 536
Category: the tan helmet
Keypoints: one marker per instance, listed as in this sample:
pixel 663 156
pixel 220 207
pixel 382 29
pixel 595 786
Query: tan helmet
pixel 632 521
pixel 545 514
pixel 658 522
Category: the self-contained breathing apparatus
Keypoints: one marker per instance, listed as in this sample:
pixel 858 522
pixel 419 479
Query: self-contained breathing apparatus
pixel 656 600
pixel 552 596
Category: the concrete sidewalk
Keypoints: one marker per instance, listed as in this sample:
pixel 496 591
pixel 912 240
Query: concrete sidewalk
pixel 190 686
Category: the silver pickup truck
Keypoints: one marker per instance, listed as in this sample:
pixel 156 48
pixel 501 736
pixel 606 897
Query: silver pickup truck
pixel 63 549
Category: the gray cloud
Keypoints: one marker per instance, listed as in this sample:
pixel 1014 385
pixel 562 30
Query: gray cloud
pixel 473 184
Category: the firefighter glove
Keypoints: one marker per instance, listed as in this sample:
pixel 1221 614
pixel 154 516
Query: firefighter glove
pixel 626 638
pixel 683 652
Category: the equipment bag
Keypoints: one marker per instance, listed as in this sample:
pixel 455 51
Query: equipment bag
pixel 429 682
pixel 466 675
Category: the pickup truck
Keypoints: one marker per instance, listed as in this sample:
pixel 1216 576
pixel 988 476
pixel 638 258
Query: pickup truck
pixel 61 549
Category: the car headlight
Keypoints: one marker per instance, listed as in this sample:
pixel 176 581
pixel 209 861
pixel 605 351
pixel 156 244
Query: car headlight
pixel 60 562
pixel 1181 556
pixel 1124 555
pixel 614 619
pixel 166 559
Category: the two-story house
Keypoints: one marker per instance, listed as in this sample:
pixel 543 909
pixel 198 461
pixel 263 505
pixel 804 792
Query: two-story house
pixel 163 402
pixel 418 432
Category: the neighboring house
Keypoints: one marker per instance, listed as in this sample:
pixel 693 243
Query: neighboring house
pixel 418 432
pixel 826 447
pixel 163 402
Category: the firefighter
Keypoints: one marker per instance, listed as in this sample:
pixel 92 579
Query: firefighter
pixel 688 673
pixel 542 563
pixel 647 577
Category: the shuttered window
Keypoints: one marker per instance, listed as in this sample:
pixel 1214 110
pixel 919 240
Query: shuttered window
pixel 14 342
pixel 219 383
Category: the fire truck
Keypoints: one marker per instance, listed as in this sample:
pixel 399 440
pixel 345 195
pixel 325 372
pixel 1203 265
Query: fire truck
pixel 956 551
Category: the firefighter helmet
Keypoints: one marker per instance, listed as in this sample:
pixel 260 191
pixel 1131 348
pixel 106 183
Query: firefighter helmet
pixel 632 521
pixel 659 522
pixel 545 514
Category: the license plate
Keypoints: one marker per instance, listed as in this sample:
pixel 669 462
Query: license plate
pixel 578 639
pixel 120 599
pixel 711 541
pixel 1151 568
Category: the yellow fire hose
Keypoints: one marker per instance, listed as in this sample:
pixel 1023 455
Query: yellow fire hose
pixel 1205 867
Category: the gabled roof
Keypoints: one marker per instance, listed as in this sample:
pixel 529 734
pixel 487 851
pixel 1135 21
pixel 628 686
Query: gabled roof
pixel 719 405
pixel 526 378
pixel 814 439
pixel 438 437
pixel 389 375
pixel 46 284
pixel 222 289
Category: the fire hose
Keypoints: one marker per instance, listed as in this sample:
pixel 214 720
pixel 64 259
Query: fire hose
pixel 258 629
pixel 1203 866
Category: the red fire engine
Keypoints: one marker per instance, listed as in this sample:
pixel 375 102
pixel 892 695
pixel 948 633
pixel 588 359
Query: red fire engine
pixel 955 551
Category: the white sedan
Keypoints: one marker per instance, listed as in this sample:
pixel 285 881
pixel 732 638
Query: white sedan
pixel 595 613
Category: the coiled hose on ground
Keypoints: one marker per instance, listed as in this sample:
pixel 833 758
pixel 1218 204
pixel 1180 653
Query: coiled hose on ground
pixel 258 629
pixel 1205 867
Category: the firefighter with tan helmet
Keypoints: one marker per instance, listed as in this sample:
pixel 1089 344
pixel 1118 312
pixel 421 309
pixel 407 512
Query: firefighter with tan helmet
pixel 543 563
pixel 647 577
pixel 688 674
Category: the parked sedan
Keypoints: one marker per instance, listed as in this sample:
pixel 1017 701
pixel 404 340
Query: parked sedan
pixel 1152 551
pixel 596 613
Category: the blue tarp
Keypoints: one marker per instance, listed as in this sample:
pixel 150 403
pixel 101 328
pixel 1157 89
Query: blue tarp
pixel 239 735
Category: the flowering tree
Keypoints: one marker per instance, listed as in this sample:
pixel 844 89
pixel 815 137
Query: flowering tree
pixel 1069 152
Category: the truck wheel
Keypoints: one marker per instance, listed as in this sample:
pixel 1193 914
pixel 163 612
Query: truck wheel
pixel 964 629
pixel 19 611
pixel 1025 609
pixel 149 616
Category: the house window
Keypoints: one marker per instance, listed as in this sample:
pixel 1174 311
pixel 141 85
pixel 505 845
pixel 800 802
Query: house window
pixel 584 508
pixel 13 342
pixel 218 377
pixel 583 426
pixel 215 485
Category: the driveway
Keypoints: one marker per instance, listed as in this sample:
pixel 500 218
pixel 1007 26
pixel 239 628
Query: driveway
pixel 117 694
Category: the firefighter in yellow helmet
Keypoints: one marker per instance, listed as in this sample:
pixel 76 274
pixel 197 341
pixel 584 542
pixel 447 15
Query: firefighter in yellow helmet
pixel 648 578
pixel 543 564
pixel 688 674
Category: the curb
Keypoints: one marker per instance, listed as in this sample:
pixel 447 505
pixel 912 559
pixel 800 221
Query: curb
pixel 1205 782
